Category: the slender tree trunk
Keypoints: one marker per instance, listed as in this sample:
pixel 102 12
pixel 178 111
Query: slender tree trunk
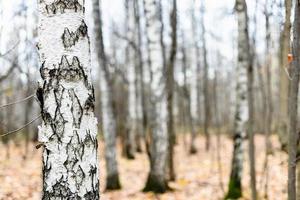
pixel 241 115
pixel 170 90
pixel 108 117
pixel 293 106
pixel 187 98
pixel 69 128
pixel 251 133
pixel 251 104
pixel 207 112
pixel 140 70
pixel 218 124
pixel 284 82
pixel 131 73
pixel 159 140
pixel 268 119
pixel 195 86
pixel 27 113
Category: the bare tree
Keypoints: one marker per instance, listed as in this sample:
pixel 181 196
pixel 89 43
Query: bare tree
pixel 241 115
pixel 170 89
pixel 159 139
pixel 108 116
pixel 207 112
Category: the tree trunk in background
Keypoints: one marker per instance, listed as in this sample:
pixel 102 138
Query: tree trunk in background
pixel 293 107
pixel 250 127
pixel 131 76
pixel 187 96
pixel 108 117
pixel 268 92
pixel 284 82
pixel 241 115
pixel 218 124
pixel 207 112
pixel 27 113
pixel 268 57
pixel 195 84
pixel 251 104
pixel 159 139
pixel 69 128
pixel 140 72
pixel 170 90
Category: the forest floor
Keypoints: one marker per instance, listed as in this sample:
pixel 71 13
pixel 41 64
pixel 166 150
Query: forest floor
pixel 198 176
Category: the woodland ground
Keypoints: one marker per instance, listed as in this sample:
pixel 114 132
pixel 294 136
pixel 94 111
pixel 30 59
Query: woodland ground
pixel 197 175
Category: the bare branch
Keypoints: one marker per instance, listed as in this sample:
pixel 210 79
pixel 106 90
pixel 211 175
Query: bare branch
pixel 16 102
pixel 17 130
pixel 130 42
pixel 10 50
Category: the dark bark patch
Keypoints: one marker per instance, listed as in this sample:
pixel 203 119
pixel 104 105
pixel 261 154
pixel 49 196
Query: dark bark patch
pixel 112 182
pixel 60 6
pixel 70 38
pixel 156 184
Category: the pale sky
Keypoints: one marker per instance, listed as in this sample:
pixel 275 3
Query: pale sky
pixel 219 20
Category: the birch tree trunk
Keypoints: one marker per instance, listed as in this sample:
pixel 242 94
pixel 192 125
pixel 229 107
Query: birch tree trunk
pixel 159 140
pixel 293 106
pixel 69 128
pixel 108 117
pixel 241 115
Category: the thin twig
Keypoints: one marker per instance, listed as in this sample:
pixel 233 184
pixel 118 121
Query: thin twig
pixel 16 102
pixel 10 50
pixel 17 130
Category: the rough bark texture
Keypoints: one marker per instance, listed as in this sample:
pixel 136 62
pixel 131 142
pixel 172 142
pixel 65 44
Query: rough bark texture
pixel 284 82
pixel 159 139
pixel 241 115
pixel 293 107
pixel 69 128
pixel 108 117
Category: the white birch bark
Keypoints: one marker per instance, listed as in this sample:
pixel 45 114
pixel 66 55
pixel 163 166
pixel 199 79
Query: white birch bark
pixel 158 119
pixel 242 111
pixel 69 128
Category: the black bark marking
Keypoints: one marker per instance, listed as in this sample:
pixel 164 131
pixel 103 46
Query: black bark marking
pixel 63 5
pixel 71 72
pixel 70 38
pixel 76 109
